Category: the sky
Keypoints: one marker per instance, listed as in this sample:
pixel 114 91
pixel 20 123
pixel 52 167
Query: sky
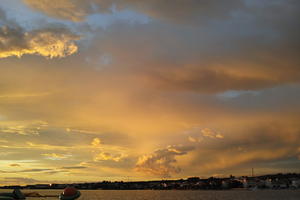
pixel 94 90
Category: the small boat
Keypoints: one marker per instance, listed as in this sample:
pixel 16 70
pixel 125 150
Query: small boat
pixel 69 193
pixel 15 195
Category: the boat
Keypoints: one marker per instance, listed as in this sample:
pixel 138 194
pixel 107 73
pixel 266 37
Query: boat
pixel 69 193
pixel 15 195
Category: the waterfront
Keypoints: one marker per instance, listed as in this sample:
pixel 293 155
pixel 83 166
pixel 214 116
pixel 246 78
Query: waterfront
pixel 177 195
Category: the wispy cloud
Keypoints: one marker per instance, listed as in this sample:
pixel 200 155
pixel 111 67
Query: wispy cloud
pixel 56 156
pixel 74 167
pixel 15 165
pixel 18 180
pixel 22 127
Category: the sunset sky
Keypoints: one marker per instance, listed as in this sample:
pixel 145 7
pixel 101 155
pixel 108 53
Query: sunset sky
pixel 94 90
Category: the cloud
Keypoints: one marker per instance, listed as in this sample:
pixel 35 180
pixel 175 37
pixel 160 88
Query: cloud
pixel 55 156
pixel 179 11
pixel 96 142
pixel 34 170
pixel 163 80
pixel 32 145
pixel 74 167
pixel 161 162
pixel 23 127
pixel 28 170
pixel 249 51
pixel 82 131
pixel 258 143
pixel 15 165
pixel 206 132
pixel 18 180
pixel 105 156
pixel 197 134
pixel 192 139
pixel 47 42
pixel 229 159
pixel 64 9
pixel 210 80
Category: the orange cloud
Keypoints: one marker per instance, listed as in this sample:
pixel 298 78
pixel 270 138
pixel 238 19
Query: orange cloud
pixel 48 43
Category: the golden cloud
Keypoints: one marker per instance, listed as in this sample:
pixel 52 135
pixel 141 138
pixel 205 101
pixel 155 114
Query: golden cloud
pixel 50 43
pixel 161 162
pixel 96 142
pixel 22 127
pixel 104 156
pixel 55 156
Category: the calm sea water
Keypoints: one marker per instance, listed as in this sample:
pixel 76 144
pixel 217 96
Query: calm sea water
pixel 179 195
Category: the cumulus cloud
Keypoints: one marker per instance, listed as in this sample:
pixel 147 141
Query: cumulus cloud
pixel 47 42
pixel 161 162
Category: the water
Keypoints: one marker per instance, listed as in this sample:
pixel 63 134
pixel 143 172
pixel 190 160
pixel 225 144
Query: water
pixel 177 195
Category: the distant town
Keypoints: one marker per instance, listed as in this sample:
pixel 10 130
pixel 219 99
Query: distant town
pixel 274 181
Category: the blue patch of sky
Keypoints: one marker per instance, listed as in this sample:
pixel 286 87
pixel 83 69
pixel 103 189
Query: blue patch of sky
pixel 103 20
pixel 263 98
pixel 30 19
pixel 235 93
pixel 23 15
